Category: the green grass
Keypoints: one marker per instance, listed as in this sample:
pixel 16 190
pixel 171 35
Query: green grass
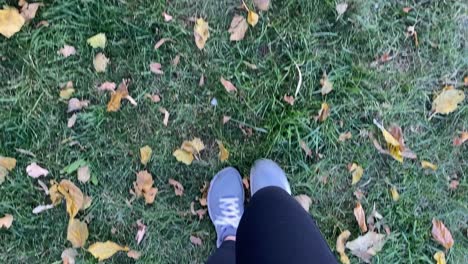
pixel 305 32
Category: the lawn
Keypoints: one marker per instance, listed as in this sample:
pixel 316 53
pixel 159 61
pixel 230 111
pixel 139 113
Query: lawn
pixel 303 32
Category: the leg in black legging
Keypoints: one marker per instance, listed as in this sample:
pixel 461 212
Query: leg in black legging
pixel 276 229
pixel 225 254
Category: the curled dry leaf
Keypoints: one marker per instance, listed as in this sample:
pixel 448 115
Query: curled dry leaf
pixel 117 96
pixel 67 51
pixel 458 141
pixel 155 68
pixel 238 28
pixel 428 165
pixel 340 246
pixel 345 136
pixel 84 174
pixel 305 148
pixel 447 101
pixel 252 18
pixel 134 254
pixel 97 41
pixel 196 240
pixel 201 33
pixel 195 146
pixel 100 62
pixel 107 86
pixel 36 171
pixel 11 21
pixel 143 186
pixel 176 60
pixel 77 233
pixel 7 163
pixel 262 4
pixel 178 188
pixel 153 97
pixel 105 250
pixel 304 201
pixel 441 234
pixel 28 11
pixel 366 246
pixel 323 113
pixel 72 120
pixel 42 23
pixel 395 143
pixel 223 154
pixel 73 196
pixel 140 232
pixel 374 219
pixel 74 104
pixel 439 257
pixel 6 221
pixel 395 194
pixel 68 256
pixel 289 99
pixel 145 154
pixel 357 172
pixel 41 208
pixel 166 115
pixel 327 86
pixel 228 85
pixel 226 119
pixel 360 217
pixel 167 17
pixel 160 43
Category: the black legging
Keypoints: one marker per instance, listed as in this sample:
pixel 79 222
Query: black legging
pixel 274 229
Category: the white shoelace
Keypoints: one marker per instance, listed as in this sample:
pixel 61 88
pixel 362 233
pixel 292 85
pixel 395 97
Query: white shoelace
pixel 230 212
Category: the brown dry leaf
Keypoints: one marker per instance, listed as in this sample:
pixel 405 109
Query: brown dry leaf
pixel 196 240
pixel 141 231
pixel 366 246
pixel 28 11
pixel 117 96
pixel 357 172
pixel 6 221
pixel 246 182
pixel 143 186
pixel 428 165
pixel 153 97
pixel 74 104
pixel 201 82
pixel 323 113
pixel 360 217
pixel 458 141
pixel 3 174
pixel 223 154
pixel 454 184
pixel 304 201
pixel 262 4
pixel 228 85
pixel 447 101
pixel 134 254
pixel 68 256
pixel 306 148
pixel 178 188
pixel 67 51
pixel 42 23
pixel 345 136
pixel 439 257
pixel 167 17
pixel 407 9
pixel 84 174
pixel 395 194
pixel 252 18
pixel 289 99
pixel 107 86
pixel 77 233
pixel 374 219
pixel 340 246
pixel 183 156
pixel 441 234
pixel 145 154
pixel 36 171
pixel 395 143
pixel 72 120
pixel 7 163
pixel 176 60
pixel 226 119
pixel 166 115
pixel 105 250
pixel 201 33
pixel 155 68
pixel 160 43
pixel 100 62
pixel 11 21
pixel 327 86
pixel 150 195
pixel 238 28
pixel 73 196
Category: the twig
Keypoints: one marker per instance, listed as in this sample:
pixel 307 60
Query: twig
pixel 299 83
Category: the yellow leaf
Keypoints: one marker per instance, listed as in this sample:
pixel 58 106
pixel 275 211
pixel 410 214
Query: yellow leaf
pixel 183 156
pixel 344 258
pixel 98 41
pixel 114 102
pixel 395 194
pixel 145 154
pixel 100 62
pixel 238 28
pixel 357 172
pixel 223 152
pixel 439 256
pixel 77 233
pixel 340 246
pixel 428 165
pixel 252 18
pixel 10 21
pixel 3 174
pixel 66 93
pixel 327 86
pixel 55 195
pixel 201 33
pixel 447 101
pixel 73 196
pixel 6 221
pixel 360 217
pixel 194 146
pixel 105 250
pixel 323 113
pixel 143 186
pixel 7 163
pixel 395 152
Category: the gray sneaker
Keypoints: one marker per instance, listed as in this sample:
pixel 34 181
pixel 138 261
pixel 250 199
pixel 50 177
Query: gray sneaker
pixel 266 173
pixel 226 203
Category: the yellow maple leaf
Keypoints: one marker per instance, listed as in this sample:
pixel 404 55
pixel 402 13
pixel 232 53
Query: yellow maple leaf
pixel 105 250
pixel 447 101
pixel 145 154
pixel 77 233
pixel 97 41
pixel 7 163
pixel 252 18
pixel 439 257
pixel 73 196
pixel 223 152
pixel 183 156
pixel 11 21
pixel 201 33
pixel 395 194
pixel 357 172
pixel 428 165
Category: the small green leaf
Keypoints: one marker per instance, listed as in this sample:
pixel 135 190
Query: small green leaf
pixel 73 166
pixel 94 179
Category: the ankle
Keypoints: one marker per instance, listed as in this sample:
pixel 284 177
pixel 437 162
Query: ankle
pixel 230 238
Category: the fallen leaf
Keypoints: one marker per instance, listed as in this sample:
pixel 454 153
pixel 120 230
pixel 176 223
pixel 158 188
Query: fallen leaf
pixel 201 33
pixel 447 101
pixel 66 93
pixel 178 188
pixel 97 41
pixel 107 86
pixel 395 194
pixel 366 246
pixel 223 154
pixel 306 148
pixel 72 120
pixel 7 163
pixel 156 68
pixel 428 165
pixel 41 208
pixel 327 86
pixel 54 193
pixel 340 246
pixel 160 42
pixel 196 240
pixel 143 186
pixel 42 23
pixel 166 115
pixel 201 82
pixel 262 4
pixel 323 113
pixel 250 65
pixel 73 196
pixel 28 11
pixel 357 172
pixel 68 256
pixel 441 234
pixel 246 182
pixel 11 21
pixel 228 85
pixel 289 99
pixel 67 51
pixel 36 171
pixel 359 194
pixel 117 96
pixel 195 146
pixel 439 257
pixel 458 141
pixel 87 200
pixel 105 250
pixel 145 154
pixel 345 136
pixel 395 143
pixel 341 8
pixel 454 184
pixel 133 254
pixel 304 201
pixel 183 156
pixel 407 9
pixel 252 18
pixel 176 60
pixel 77 233
pixel 153 97
pixel 84 174
pixel 74 104
pixel 411 32
pixel 150 195
pixel 238 28
pixel 167 17
pixel 374 219
pixel 360 217
pixel 226 119
pixel 6 221
pixel 3 174
pixel 140 232
pixel 100 62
